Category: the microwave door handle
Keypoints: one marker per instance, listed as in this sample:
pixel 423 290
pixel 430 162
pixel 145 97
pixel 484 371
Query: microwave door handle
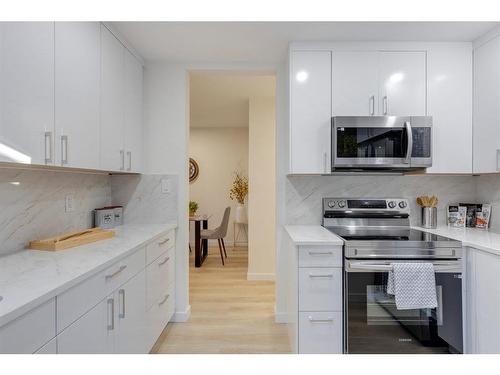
pixel 409 134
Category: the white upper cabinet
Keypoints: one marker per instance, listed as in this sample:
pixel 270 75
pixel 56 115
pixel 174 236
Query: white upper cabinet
pixel 112 102
pixel 133 113
pixel 487 107
pixel 77 76
pixel 310 112
pixel 27 92
pixel 355 83
pixel 402 89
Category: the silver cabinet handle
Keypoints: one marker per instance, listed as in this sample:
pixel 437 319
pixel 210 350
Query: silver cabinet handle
pixel 122 156
pixel 64 149
pixel 325 162
pixel 121 295
pixel 163 242
pixel 385 105
pixel 327 320
pixel 48 147
pixel 321 276
pixel 111 314
pixel 498 160
pixel 165 261
pixel 109 277
pixel 409 134
pixel 129 154
pixel 372 105
pixel 320 253
pixel 163 300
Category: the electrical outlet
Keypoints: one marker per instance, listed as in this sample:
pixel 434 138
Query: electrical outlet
pixel 165 186
pixel 69 203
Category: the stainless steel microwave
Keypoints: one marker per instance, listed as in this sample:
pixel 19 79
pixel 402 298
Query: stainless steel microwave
pixel 381 142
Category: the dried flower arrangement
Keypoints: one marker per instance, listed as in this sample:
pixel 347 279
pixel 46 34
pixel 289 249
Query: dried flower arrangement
pixel 239 190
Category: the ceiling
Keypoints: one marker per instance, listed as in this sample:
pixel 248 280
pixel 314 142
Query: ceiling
pixel 221 99
pixel 267 42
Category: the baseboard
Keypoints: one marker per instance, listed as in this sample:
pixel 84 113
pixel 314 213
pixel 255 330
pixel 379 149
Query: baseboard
pixel 280 317
pixel 182 316
pixel 260 276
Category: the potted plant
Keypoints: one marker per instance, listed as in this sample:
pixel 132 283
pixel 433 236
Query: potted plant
pixel 193 207
pixel 238 193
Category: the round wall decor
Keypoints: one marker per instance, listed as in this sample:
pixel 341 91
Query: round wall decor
pixel 194 170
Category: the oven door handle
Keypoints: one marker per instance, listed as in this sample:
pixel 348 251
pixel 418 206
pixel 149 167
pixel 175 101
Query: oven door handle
pixel 384 267
pixel 409 134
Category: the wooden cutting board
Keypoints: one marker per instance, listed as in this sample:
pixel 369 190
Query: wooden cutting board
pixel 72 239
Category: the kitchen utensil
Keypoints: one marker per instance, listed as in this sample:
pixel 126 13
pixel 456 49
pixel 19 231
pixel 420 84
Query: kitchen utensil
pixel 72 239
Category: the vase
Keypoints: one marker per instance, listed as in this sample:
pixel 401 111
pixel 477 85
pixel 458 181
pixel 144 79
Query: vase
pixel 240 215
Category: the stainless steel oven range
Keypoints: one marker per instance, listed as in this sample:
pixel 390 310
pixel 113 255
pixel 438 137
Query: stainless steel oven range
pixel 376 234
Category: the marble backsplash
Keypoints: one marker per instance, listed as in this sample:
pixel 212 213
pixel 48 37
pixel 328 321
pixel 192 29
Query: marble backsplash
pixel 304 193
pixel 488 191
pixel 142 197
pixel 32 204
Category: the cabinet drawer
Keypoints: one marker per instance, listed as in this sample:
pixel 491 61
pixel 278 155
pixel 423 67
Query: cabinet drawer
pixel 320 256
pixel 159 275
pixel 159 246
pixel 31 331
pixel 75 302
pixel 160 314
pixel 320 289
pixel 320 332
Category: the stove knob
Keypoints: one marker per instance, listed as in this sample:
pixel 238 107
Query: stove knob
pixel 341 204
pixel 391 204
pixel 402 204
pixel 331 204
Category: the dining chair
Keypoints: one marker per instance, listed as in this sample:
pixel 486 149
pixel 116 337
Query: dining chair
pixel 218 234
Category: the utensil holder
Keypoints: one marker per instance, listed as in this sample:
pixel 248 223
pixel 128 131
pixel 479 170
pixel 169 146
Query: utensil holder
pixel 429 217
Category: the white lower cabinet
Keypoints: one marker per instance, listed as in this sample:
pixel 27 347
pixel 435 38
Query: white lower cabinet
pixel 93 333
pixel 320 332
pixel 483 302
pixel 314 298
pixel 48 348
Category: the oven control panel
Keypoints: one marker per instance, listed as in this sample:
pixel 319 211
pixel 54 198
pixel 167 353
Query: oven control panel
pixel 366 204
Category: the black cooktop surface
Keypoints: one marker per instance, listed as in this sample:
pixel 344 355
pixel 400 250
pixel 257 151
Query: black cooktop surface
pixel 386 234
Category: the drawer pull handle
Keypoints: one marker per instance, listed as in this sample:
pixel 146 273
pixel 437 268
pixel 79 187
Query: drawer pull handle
pixel 325 276
pixel 163 242
pixel 109 277
pixel 163 300
pixel 320 253
pixel 163 262
pixel 121 294
pixel 328 320
pixel 111 314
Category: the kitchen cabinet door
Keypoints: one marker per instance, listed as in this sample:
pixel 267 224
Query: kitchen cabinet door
pixel 27 92
pixel 77 80
pixel 131 335
pixel 355 83
pixel 112 102
pixel 310 112
pixel 486 300
pixel 402 83
pixel 133 113
pixel 93 333
pixel 486 142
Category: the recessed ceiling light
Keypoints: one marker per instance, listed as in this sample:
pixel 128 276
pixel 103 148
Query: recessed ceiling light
pixel 302 76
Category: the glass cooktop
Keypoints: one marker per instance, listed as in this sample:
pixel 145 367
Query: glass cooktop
pixel 386 234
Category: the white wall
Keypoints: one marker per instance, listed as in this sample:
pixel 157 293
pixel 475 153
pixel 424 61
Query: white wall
pixel 262 180
pixel 166 133
pixel 219 152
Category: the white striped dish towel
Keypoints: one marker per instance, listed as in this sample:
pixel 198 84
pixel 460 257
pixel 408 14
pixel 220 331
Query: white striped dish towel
pixel 413 285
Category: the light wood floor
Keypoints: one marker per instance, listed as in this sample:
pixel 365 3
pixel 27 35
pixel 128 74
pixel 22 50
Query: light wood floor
pixel 228 313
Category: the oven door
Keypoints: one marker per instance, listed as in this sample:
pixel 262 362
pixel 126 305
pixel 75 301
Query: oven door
pixel 371 142
pixel 373 324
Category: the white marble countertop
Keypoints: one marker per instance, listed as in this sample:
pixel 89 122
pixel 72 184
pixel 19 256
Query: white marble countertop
pixel 30 277
pixel 312 235
pixel 477 238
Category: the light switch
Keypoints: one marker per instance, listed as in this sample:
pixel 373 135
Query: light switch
pixel 165 186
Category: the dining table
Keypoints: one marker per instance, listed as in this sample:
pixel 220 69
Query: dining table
pixel 200 252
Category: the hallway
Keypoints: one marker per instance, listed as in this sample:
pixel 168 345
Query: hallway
pixel 228 313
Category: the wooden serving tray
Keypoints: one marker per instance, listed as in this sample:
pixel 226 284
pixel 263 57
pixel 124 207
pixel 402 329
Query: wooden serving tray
pixel 72 239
